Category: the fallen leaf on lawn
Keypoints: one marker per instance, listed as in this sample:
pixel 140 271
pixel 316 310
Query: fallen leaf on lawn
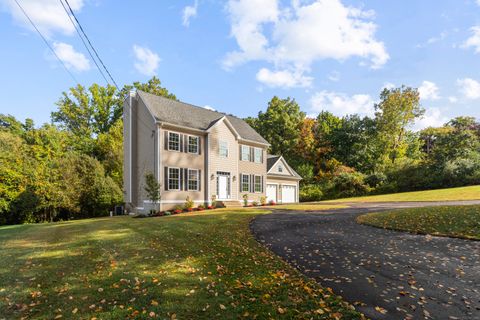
pixel 74 310
pixel 222 307
pixel 280 310
pixel 381 310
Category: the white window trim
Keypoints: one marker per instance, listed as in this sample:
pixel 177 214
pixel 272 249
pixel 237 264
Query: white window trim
pixel 254 183
pixel 168 142
pixel 220 149
pixel 241 153
pixel 188 179
pixel 188 144
pixel 248 183
pixel 261 155
pixel 168 179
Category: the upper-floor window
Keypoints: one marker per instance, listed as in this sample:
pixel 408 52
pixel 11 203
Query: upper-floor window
pixel 245 153
pixel 174 141
pixel 173 179
pixel 193 179
pixel 245 183
pixel 193 144
pixel 223 149
pixel 257 184
pixel 257 155
pixel 280 168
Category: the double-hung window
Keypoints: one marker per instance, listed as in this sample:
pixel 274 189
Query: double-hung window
pixel 257 155
pixel 245 153
pixel 193 144
pixel 257 184
pixel 280 168
pixel 173 179
pixel 173 141
pixel 193 180
pixel 223 149
pixel 245 183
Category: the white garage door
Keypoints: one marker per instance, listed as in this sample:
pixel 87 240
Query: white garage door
pixel 289 194
pixel 271 192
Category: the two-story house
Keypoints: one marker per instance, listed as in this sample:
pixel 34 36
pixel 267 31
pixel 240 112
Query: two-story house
pixel 198 153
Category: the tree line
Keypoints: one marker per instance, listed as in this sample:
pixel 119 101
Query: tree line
pixel 72 167
pixel 353 155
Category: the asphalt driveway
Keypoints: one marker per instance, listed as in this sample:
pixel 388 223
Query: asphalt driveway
pixel 385 274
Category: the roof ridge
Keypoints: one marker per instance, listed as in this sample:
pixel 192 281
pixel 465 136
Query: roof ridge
pixel 183 102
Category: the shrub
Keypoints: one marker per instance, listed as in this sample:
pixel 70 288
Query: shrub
pixel 188 204
pixel 255 203
pixel 219 204
pixel 210 207
pixel 310 192
pixel 168 213
pixel 263 200
pixel 375 180
pixel 272 203
pixel 350 185
pixel 177 209
pixel 201 207
pixel 214 200
pixel 245 200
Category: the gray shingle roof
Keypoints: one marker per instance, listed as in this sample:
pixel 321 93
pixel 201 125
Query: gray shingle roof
pixel 190 116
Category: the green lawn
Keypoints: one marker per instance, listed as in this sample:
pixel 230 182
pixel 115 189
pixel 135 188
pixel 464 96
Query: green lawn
pixel 309 206
pixel 452 221
pixel 451 194
pixel 189 266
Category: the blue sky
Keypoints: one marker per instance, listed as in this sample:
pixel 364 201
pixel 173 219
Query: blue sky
pixel 235 55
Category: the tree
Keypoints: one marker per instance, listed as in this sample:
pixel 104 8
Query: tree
pixel 153 86
pixel 279 125
pixel 109 151
pixel 397 110
pixel 152 188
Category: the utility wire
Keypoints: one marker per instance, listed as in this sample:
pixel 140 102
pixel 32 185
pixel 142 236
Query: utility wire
pixel 90 43
pixel 84 43
pixel 46 42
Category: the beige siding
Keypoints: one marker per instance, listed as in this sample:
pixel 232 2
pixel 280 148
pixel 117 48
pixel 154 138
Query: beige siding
pixel 126 151
pixel 145 144
pixel 221 132
pixel 178 159
pixel 250 167
pixel 282 164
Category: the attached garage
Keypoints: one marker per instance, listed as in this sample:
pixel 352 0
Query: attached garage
pixel 282 181
pixel 289 193
pixel 272 192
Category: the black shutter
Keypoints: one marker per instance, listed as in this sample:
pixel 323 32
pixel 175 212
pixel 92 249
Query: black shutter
pixel 165 182
pixel 251 154
pixel 180 142
pixel 185 144
pixel 199 145
pixel 166 140
pixel 180 179
pixel 241 179
pixel 251 183
pixel 261 181
pixel 186 178
pixel 240 151
pixel 199 180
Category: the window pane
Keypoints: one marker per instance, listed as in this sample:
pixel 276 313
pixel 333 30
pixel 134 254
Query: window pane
pixel 258 184
pixel 245 183
pixel 245 153
pixel 193 144
pixel 173 178
pixel 258 155
pixel 223 149
pixel 192 179
pixel 173 141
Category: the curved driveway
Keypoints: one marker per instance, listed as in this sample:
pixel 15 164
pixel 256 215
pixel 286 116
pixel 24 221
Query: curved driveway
pixel 385 274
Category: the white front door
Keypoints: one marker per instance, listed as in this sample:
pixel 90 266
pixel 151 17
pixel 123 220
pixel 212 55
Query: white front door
pixel 271 192
pixel 223 187
pixel 289 194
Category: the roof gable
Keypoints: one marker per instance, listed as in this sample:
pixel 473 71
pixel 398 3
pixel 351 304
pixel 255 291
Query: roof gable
pixel 273 162
pixel 190 116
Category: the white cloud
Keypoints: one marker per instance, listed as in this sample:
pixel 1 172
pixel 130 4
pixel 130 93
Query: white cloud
pixel 432 118
pixel 388 85
pixel 341 104
pixel 72 59
pixel 48 15
pixel 146 61
pixel 334 76
pixel 301 34
pixel 283 78
pixel 474 40
pixel 469 88
pixel 428 91
pixel 209 108
pixel 452 99
pixel 189 12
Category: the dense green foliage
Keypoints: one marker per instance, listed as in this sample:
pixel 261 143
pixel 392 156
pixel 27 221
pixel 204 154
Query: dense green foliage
pixel 72 168
pixel 452 221
pixel 354 156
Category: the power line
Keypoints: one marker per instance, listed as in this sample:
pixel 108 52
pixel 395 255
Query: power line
pixel 84 43
pixel 46 42
pixel 90 43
